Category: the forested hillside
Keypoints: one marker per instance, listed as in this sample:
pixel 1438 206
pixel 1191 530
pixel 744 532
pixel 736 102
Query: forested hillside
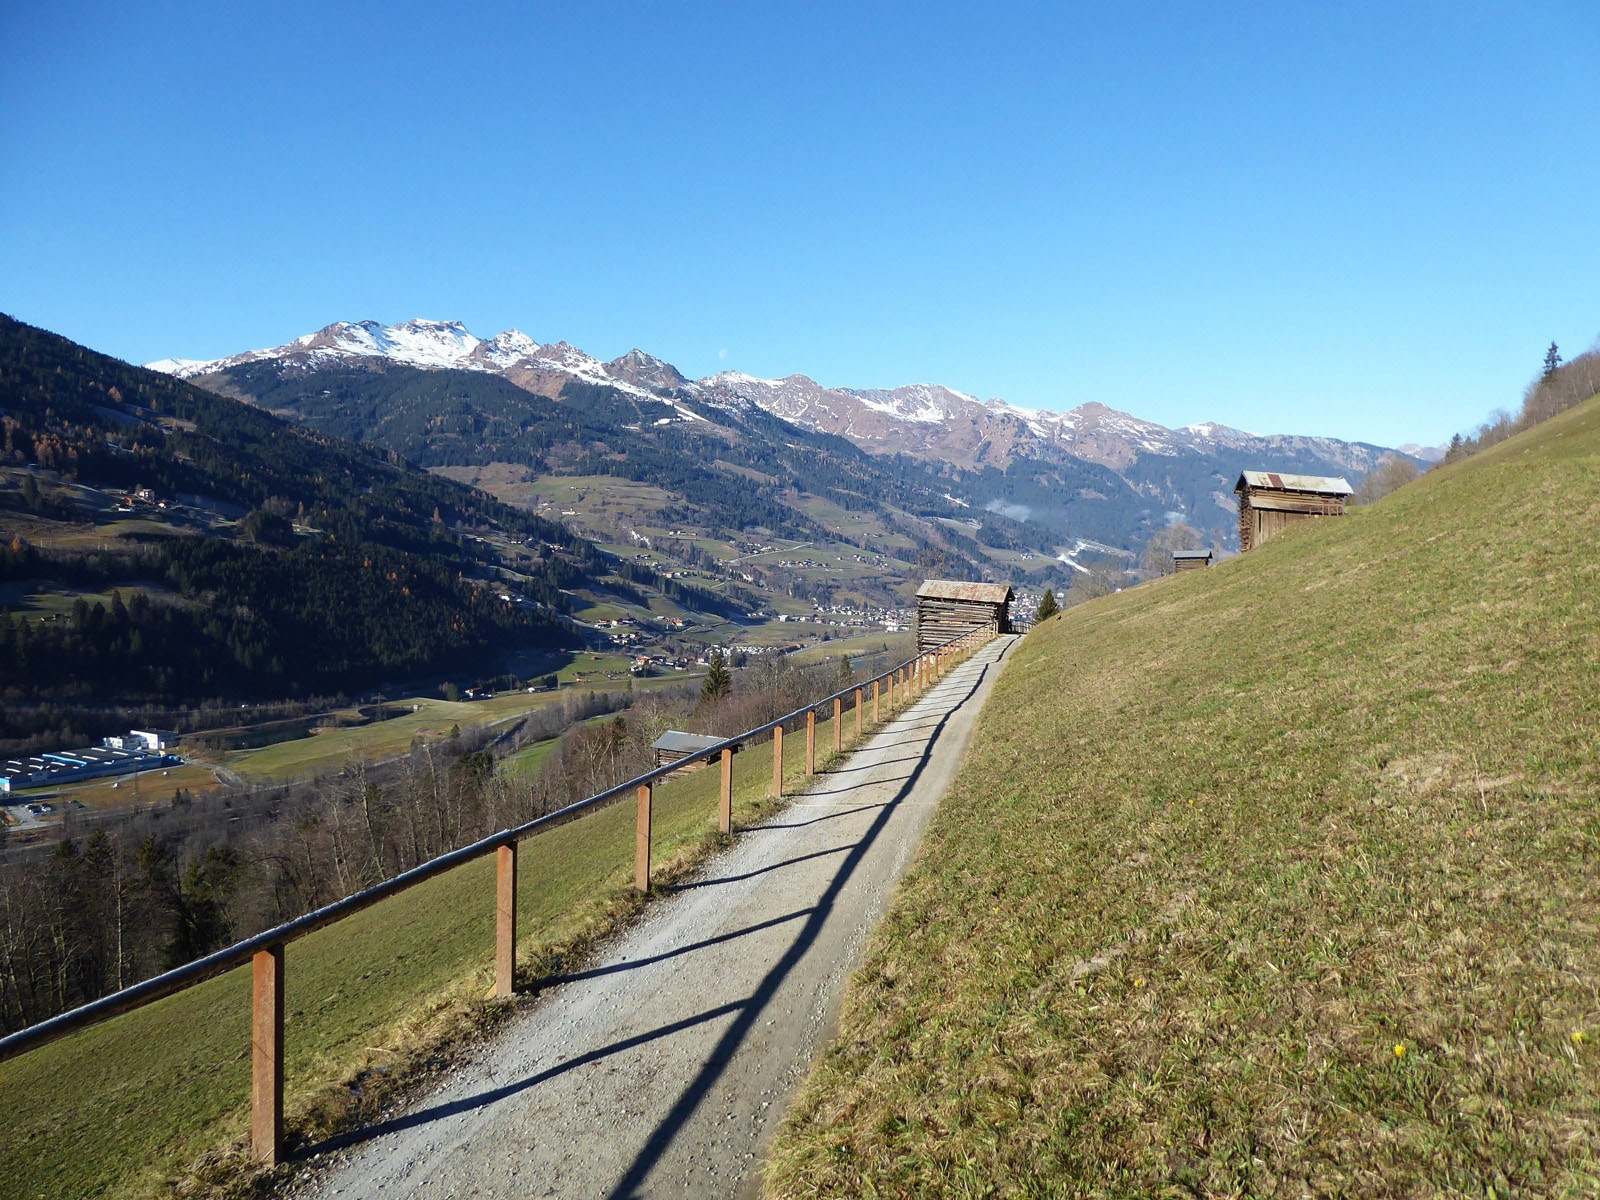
pixel 264 559
pixel 734 469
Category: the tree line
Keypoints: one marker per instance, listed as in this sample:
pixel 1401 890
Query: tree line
pixel 1559 386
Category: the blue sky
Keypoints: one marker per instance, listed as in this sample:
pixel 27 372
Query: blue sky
pixel 1367 222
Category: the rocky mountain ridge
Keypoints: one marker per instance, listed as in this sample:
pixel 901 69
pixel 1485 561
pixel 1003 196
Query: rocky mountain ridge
pixel 924 420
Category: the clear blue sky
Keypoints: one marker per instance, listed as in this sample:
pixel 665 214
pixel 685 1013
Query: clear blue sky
pixel 1366 222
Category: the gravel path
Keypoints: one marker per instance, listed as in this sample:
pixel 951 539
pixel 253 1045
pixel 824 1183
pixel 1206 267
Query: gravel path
pixel 663 1069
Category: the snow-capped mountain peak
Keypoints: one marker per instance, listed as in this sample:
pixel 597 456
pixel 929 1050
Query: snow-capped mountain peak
pixel 502 350
pixel 416 343
pixel 645 370
pixel 924 420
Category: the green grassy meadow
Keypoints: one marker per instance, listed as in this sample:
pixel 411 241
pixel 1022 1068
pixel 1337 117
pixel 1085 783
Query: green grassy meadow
pixel 1281 878
pixel 130 1107
pixel 335 746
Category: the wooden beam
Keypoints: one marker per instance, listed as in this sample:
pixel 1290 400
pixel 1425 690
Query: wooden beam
pixel 505 920
pixel 858 714
pixel 641 840
pixel 811 741
pixel 777 763
pixel 876 692
pixel 266 1056
pixel 838 724
pixel 725 808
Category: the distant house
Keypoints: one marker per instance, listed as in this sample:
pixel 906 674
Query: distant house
pixel 673 746
pixel 155 739
pixel 1269 502
pixel 1189 560
pixel 946 609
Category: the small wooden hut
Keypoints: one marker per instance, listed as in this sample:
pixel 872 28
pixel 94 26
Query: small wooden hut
pixel 1190 560
pixel 674 745
pixel 1269 501
pixel 946 609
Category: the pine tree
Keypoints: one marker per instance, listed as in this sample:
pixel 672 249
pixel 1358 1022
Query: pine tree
pixel 718 681
pixel 1552 360
pixel 1047 606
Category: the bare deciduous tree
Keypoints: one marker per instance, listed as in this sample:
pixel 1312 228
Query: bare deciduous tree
pixel 1158 551
pixel 1393 471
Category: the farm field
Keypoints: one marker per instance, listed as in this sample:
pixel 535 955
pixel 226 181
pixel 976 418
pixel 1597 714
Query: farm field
pixel 153 787
pixel 36 600
pixel 526 762
pixel 366 999
pixel 333 748
pixel 895 646
pixel 1281 878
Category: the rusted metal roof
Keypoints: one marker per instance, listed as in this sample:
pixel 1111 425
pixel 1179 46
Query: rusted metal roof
pixel 1326 485
pixel 950 589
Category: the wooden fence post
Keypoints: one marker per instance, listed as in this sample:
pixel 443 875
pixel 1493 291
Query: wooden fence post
pixel 876 691
pixel 505 920
pixel 266 1056
pixel 811 741
pixel 777 762
pixel 838 724
pixel 858 714
pixel 727 790
pixel 641 841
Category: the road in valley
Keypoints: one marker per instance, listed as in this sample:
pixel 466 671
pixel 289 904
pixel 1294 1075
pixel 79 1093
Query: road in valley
pixel 663 1068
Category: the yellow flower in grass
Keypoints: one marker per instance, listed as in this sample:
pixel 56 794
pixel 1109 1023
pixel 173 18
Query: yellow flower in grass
pixel 1399 1051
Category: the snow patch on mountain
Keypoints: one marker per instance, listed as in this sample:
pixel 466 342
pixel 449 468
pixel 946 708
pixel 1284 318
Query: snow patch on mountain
pixel 924 419
pixel 503 350
pixel 183 368
pixel 416 343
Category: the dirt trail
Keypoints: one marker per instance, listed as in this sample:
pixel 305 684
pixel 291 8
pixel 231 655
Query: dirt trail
pixel 663 1069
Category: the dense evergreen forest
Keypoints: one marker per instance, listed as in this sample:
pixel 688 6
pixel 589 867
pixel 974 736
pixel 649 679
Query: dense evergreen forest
pixel 346 565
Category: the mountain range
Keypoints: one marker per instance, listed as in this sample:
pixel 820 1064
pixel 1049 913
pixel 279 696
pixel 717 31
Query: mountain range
pixel 924 420
pixel 1046 483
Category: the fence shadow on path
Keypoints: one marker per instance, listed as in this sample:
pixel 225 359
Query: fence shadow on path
pixel 770 867
pixel 746 1011
pixel 662 1137
pixel 835 815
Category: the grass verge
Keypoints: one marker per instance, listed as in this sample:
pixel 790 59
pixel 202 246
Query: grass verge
pixel 1281 878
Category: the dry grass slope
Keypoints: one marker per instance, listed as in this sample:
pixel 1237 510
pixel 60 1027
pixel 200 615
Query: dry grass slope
pixel 1305 901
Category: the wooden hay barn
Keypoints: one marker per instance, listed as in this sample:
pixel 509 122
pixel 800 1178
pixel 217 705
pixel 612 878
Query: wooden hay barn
pixel 674 745
pixel 947 609
pixel 1268 502
pixel 1189 560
